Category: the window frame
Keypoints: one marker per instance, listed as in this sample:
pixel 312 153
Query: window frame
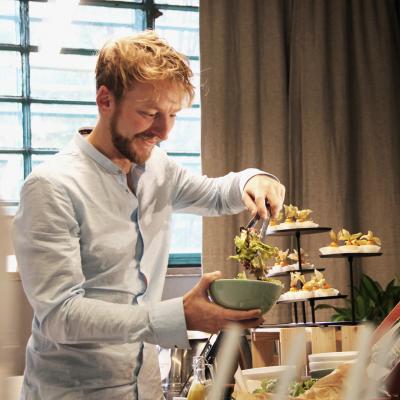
pixel 24 48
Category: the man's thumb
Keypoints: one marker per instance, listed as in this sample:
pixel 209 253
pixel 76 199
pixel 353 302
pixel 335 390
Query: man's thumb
pixel 207 278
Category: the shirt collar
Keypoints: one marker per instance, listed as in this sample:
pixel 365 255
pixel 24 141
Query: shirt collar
pixel 96 155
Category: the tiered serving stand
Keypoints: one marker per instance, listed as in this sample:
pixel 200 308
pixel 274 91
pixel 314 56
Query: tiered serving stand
pixel 298 232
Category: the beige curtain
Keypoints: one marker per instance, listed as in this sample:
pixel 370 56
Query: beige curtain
pixel 308 90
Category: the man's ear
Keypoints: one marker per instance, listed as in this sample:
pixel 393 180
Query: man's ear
pixel 105 100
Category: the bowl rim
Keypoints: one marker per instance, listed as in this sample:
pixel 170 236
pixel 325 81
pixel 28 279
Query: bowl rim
pixel 254 281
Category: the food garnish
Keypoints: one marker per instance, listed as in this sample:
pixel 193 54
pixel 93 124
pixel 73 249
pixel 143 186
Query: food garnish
pixel 295 389
pixel 290 213
pixel 303 215
pixel 334 238
pixel 369 238
pixel 317 281
pixel 295 256
pixel 276 221
pixel 281 257
pixel 293 214
pixel 348 238
pixel 296 277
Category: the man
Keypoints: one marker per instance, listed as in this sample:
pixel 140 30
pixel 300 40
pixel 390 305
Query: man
pixel 92 233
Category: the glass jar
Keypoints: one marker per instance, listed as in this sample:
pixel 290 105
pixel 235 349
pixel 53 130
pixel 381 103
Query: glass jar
pixel 200 385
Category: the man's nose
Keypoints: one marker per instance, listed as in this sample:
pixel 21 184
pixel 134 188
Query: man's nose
pixel 161 126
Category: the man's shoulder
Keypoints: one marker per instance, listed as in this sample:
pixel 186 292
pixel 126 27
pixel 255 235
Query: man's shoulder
pixel 67 163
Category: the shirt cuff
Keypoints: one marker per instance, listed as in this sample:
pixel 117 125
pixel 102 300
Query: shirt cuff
pixel 249 173
pixel 167 319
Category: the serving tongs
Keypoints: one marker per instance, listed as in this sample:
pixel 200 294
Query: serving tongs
pixel 253 222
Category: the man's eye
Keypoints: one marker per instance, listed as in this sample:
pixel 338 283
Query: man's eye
pixel 151 115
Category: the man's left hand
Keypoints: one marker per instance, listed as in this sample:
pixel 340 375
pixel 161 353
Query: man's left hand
pixel 262 189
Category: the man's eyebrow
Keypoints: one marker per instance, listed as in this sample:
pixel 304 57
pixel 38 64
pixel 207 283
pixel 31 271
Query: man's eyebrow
pixel 151 103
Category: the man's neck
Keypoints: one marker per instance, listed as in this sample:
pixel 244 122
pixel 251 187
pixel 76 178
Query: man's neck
pixel 100 138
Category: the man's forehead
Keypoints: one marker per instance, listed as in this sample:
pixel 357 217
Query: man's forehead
pixel 174 100
pixel 153 94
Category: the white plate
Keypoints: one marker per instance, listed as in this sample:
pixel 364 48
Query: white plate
pixel 265 372
pixel 337 355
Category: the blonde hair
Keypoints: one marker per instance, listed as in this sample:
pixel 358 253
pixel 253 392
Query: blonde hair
pixel 144 58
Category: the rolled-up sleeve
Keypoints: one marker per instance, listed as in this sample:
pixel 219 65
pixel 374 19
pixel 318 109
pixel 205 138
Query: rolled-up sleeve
pixel 46 238
pixel 210 196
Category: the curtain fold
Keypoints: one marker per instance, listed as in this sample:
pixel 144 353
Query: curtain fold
pixel 310 91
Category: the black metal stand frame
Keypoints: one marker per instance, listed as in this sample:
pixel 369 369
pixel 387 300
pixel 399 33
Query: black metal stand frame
pixel 298 232
pixel 350 257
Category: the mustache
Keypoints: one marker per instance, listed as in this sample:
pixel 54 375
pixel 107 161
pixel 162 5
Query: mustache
pixel 145 135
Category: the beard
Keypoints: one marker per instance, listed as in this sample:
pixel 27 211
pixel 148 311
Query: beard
pixel 126 146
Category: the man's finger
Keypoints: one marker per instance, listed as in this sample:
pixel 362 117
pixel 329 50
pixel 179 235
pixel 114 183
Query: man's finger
pixel 234 315
pixel 249 203
pixel 206 280
pixel 209 277
pixel 275 205
pixel 261 206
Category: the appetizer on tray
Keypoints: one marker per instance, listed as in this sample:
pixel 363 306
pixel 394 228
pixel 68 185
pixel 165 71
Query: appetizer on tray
pixel 296 291
pixel 315 287
pixel 369 243
pixel 285 262
pixel 294 257
pixel 319 286
pixel 352 243
pixel 293 219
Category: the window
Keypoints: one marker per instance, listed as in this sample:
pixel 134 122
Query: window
pixel 48 86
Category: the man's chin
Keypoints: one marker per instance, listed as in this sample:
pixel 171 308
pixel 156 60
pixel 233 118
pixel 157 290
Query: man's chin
pixel 141 157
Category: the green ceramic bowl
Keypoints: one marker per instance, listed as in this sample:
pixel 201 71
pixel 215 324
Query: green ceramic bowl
pixel 245 294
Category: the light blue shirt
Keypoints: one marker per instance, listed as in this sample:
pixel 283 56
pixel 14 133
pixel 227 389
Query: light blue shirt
pixel 93 256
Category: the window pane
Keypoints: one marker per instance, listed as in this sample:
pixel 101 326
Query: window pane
pixel 37 159
pixel 194 3
pixel 63 77
pixel 53 125
pixel 10 66
pixel 186 228
pixel 11 176
pixel 193 164
pixel 181 29
pixel 185 136
pixel 186 234
pixel 90 27
pixel 9 21
pixel 11 125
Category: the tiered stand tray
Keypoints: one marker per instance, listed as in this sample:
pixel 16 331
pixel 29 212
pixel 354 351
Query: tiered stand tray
pixel 298 232
pixel 285 273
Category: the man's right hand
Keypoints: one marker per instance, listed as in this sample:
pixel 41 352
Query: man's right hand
pixel 203 315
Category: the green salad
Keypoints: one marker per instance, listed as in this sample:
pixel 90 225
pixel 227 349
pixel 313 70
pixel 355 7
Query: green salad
pixel 295 389
pixel 252 254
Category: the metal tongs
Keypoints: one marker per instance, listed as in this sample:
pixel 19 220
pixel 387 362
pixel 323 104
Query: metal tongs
pixel 253 222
